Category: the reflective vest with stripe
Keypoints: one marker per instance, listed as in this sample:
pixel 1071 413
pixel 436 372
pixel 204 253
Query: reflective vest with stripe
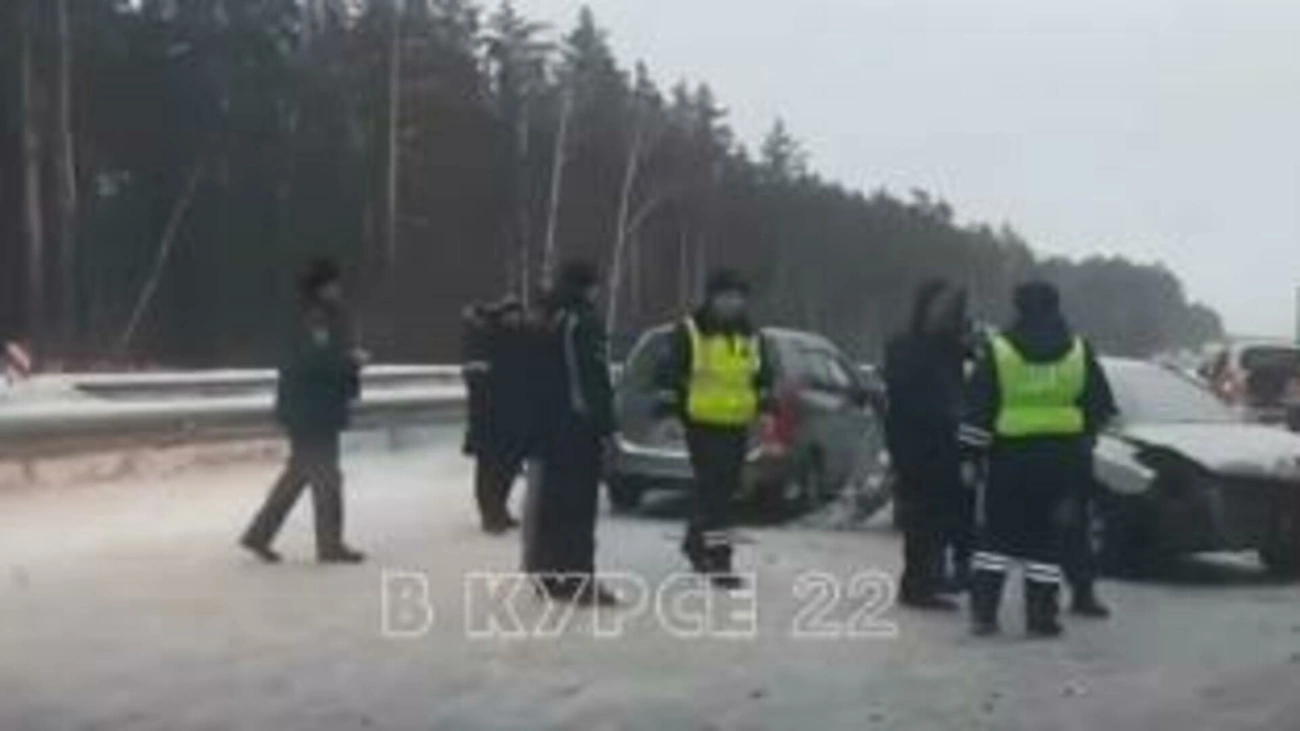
pixel 723 373
pixel 1039 399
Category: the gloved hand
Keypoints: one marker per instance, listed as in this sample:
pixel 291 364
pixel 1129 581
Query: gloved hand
pixel 973 472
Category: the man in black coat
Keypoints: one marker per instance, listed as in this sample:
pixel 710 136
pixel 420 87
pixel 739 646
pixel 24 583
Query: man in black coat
pixel 475 367
pixel 575 404
pixel 319 379
pixel 504 430
pixel 923 374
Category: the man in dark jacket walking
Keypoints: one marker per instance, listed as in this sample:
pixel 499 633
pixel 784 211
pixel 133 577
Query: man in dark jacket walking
pixel 318 381
pixel 923 374
pixel 716 379
pixel 575 418
pixel 1036 402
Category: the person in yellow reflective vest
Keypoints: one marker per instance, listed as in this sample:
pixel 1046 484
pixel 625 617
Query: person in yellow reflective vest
pixel 1036 400
pixel 716 380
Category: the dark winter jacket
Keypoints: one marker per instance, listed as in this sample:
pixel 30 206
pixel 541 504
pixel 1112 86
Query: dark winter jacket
pixel 510 413
pixel 1044 341
pixel 475 368
pixel 571 385
pixel 673 376
pixel 924 379
pixel 319 378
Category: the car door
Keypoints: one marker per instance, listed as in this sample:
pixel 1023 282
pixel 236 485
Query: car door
pixel 842 415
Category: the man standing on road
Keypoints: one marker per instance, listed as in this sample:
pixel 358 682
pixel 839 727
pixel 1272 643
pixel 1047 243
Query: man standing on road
pixel 576 417
pixel 923 374
pixel 474 369
pixel 1036 402
pixel 319 380
pixel 509 428
pixel 497 377
pixel 716 379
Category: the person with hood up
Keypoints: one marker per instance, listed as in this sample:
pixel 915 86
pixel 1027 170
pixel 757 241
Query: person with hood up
pixel 1035 403
pixel 716 379
pixel 575 418
pixel 924 379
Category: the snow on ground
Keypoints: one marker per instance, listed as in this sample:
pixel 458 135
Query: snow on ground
pixel 126 606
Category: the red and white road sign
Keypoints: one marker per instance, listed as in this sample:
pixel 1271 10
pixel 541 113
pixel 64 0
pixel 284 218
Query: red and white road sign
pixel 18 362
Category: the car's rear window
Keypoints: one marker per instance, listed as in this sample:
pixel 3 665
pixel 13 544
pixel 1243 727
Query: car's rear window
pixel 1271 358
pixel 644 362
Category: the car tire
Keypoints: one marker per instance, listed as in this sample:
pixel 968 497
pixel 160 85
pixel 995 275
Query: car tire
pixel 802 492
pixel 625 495
pixel 1123 538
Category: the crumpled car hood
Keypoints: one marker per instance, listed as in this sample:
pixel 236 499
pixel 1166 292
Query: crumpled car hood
pixel 1244 450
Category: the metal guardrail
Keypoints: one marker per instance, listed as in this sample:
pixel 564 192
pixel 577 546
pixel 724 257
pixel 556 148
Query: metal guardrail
pixel 163 385
pixel 89 424
pixel 92 412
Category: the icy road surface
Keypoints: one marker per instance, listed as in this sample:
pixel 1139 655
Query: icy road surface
pixel 126 606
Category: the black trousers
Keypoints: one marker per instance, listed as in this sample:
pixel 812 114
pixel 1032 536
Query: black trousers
pixel 560 513
pixel 495 473
pixel 314 461
pixel 1077 557
pixel 1026 490
pixel 1029 486
pixel 960 536
pixel 923 542
pixel 929 500
pixel 718 460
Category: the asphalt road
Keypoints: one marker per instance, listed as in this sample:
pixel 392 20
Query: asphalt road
pixel 126 606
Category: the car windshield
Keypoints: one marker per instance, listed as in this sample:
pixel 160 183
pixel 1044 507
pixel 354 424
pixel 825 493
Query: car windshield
pixel 1149 394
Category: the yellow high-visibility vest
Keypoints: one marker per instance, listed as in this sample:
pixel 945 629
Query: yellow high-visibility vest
pixel 723 373
pixel 1039 399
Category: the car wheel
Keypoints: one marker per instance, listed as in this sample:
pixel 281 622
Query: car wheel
pixel 796 495
pixel 806 490
pixel 1122 538
pixel 624 495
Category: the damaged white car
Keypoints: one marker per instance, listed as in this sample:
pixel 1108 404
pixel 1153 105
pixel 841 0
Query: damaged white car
pixel 1181 473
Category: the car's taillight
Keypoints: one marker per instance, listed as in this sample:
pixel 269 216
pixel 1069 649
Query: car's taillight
pixel 777 428
pixel 1231 389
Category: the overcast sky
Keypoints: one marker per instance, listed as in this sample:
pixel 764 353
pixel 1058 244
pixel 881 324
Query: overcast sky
pixel 1161 129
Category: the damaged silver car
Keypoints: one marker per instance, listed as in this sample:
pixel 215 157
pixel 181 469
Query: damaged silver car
pixel 1181 473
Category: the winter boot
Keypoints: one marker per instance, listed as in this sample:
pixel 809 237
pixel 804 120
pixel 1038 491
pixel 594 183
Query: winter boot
pixel 985 599
pixel 694 551
pixel 1042 609
pixel 720 572
pixel 1084 603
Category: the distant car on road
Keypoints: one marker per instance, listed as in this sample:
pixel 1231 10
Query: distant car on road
pixel 1260 378
pixel 824 426
pixel 1182 473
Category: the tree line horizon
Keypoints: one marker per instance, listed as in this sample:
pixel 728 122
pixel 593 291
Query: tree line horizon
pixel 167 165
